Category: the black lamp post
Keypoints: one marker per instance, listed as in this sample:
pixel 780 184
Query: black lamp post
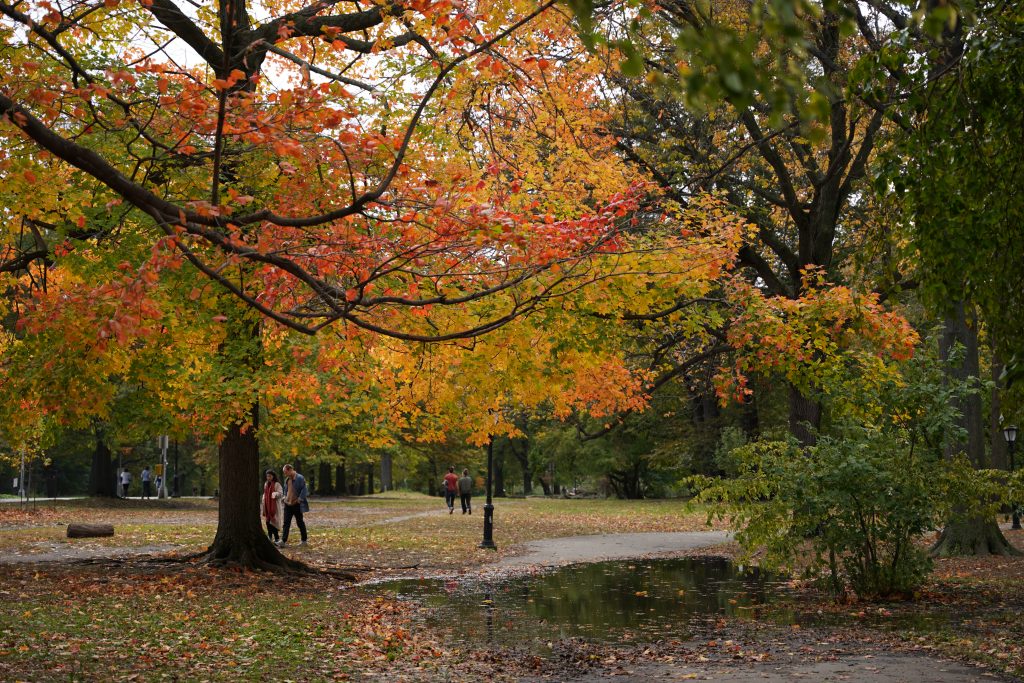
pixel 1010 434
pixel 488 541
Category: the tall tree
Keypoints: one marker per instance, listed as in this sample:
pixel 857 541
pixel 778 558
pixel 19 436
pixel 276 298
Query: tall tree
pixel 780 108
pixel 965 219
pixel 292 165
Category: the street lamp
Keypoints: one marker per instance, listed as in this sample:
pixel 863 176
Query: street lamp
pixel 1010 434
pixel 488 541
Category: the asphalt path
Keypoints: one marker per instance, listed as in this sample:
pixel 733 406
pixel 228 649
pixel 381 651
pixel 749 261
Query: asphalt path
pixel 553 552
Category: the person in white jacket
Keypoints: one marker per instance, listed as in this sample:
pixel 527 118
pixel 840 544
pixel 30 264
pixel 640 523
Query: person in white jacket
pixel 271 506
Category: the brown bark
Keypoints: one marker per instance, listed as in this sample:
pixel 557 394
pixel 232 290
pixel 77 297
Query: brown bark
pixel 240 539
pixel 804 417
pixel 972 537
pixel 90 530
pixel 967 536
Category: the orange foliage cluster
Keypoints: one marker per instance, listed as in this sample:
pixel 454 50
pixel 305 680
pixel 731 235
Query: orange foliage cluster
pixel 811 340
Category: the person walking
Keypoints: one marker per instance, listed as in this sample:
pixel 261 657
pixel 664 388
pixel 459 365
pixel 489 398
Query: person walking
pixel 295 503
pixel 126 481
pixel 144 477
pixel 451 485
pixel 271 506
pixel 466 492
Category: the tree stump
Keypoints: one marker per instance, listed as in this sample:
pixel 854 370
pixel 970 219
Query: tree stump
pixel 90 530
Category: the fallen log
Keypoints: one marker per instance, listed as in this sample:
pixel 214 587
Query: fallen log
pixel 90 530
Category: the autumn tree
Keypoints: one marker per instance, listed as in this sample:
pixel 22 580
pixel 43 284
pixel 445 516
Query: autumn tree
pixel 778 106
pixel 288 155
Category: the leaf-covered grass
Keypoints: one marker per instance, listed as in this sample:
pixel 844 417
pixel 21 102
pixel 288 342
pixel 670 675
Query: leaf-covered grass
pixel 199 624
pixel 173 621
pixel 166 622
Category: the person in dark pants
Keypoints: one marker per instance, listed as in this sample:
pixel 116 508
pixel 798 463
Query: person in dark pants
pixel 451 486
pixel 146 490
pixel 466 492
pixel 295 503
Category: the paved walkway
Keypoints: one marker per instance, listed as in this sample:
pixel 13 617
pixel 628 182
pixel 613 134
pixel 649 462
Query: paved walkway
pixel 552 552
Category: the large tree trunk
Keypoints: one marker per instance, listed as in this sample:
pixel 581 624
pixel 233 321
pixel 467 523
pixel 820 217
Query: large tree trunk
pixel 804 417
pixel 369 477
pixel 102 478
pixel 323 479
pixel 967 536
pixel 240 539
pixel 972 537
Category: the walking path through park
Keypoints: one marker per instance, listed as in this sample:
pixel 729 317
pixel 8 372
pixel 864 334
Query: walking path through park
pixel 551 552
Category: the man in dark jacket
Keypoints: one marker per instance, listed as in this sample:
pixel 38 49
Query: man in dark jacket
pixel 466 491
pixel 295 503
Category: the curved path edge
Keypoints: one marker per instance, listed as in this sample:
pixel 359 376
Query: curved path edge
pixel 552 552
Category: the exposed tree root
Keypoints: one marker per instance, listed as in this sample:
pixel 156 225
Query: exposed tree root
pixel 259 556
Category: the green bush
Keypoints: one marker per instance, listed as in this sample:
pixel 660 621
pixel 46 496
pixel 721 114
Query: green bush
pixel 857 503
pixel 862 496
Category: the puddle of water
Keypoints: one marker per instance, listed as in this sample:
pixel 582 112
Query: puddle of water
pixel 605 601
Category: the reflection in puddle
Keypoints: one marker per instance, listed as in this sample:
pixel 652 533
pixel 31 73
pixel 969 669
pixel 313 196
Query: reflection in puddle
pixel 606 601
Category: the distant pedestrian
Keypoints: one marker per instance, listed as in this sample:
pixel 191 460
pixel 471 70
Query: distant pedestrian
pixel 466 492
pixel 271 506
pixel 146 490
pixel 126 481
pixel 159 482
pixel 295 503
pixel 451 486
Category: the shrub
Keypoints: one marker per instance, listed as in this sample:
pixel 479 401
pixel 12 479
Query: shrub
pixel 861 496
